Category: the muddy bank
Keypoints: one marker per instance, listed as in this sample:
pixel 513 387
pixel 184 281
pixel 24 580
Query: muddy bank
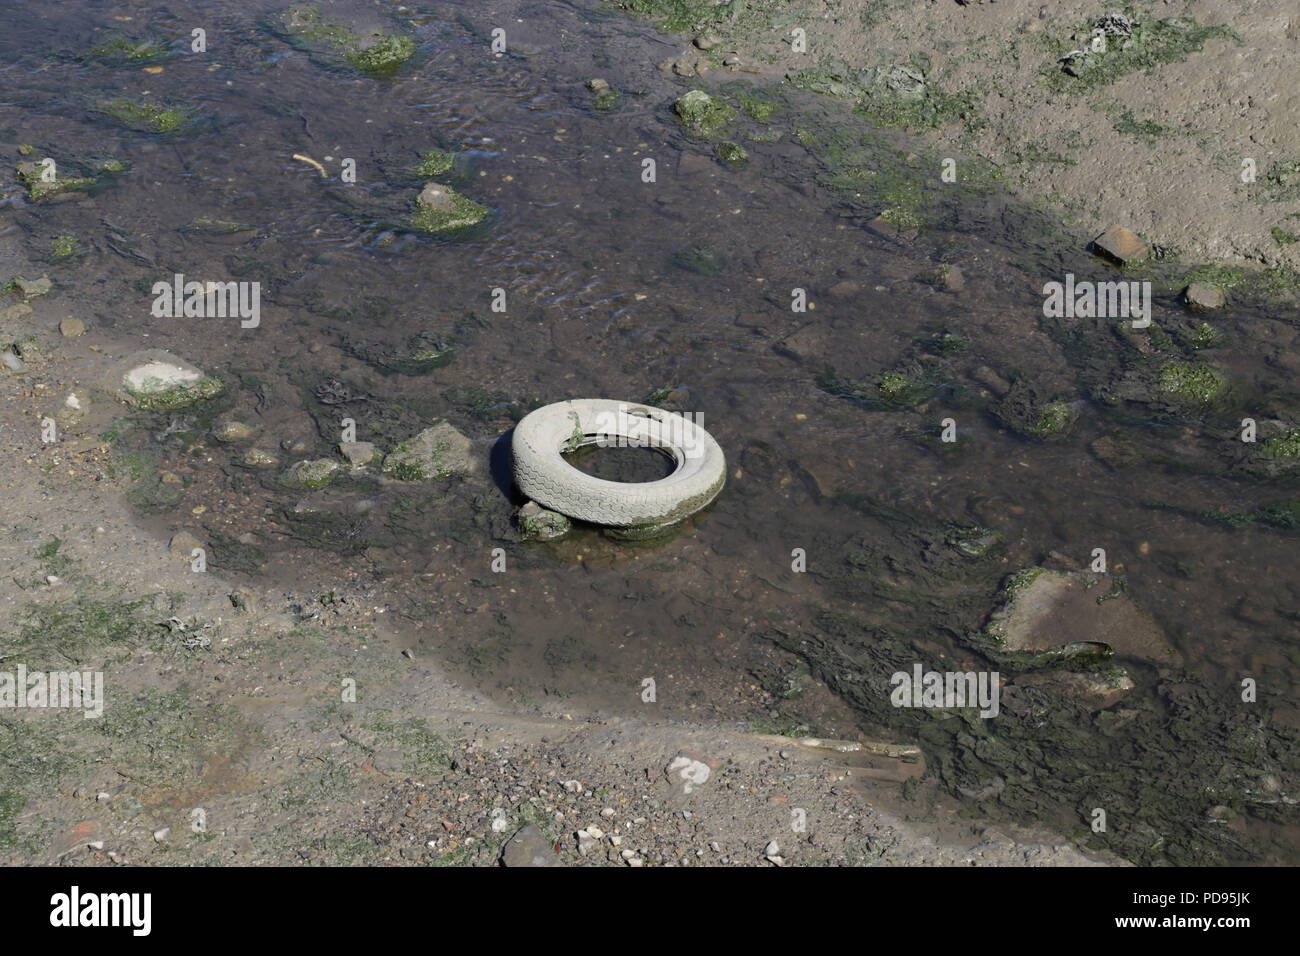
pixel 1177 124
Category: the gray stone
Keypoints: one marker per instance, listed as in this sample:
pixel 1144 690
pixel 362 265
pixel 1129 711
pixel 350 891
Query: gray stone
pixel 260 458
pixel 71 328
pixel 528 848
pixel 315 473
pixel 438 451
pixel 1199 297
pixel 358 453
pixel 437 197
pixel 31 288
pixel 229 432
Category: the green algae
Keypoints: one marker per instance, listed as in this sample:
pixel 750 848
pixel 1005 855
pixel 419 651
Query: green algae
pixel 434 163
pixel 384 55
pixel 119 50
pixel 63 248
pixel 146 116
pixel 1191 384
pixel 1284 447
pixel 176 396
pixel 1152 44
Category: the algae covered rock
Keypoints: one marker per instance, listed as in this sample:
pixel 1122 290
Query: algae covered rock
pixel 157 380
pixel 437 452
pixel 701 114
pixel 145 115
pixel 367 49
pixel 536 522
pixel 40 188
pixel 434 162
pixel 316 473
pixel 732 155
pixel 440 208
pixel 30 288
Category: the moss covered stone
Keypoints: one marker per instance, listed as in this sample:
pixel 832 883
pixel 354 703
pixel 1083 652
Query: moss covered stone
pixel 63 248
pixel 701 114
pixel 433 162
pixel 316 473
pixel 156 380
pixel 145 116
pixel 38 189
pixel 376 53
pixel 1054 419
pixel 120 50
pixel 441 209
pixel 732 154
pixel 436 452
pixel 536 522
pixel 383 57
pixel 897 390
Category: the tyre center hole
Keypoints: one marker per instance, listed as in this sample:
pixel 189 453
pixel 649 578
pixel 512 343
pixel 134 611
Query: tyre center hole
pixel 628 464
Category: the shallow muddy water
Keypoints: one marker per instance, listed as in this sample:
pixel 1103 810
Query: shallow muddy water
pixel 678 291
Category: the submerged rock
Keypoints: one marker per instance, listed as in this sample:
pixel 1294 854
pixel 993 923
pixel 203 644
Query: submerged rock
pixel 73 409
pixel 1191 384
pixel 358 453
pixel 38 189
pixel 371 51
pixel 316 473
pixel 230 432
pixel 260 458
pixel 702 114
pixel 440 208
pixel 732 155
pixel 536 522
pixel 1073 611
pixel 31 288
pixel 437 452
pixel 434 162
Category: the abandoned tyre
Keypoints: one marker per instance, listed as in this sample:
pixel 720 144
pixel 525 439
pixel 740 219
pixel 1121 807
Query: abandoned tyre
pixel 545 435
